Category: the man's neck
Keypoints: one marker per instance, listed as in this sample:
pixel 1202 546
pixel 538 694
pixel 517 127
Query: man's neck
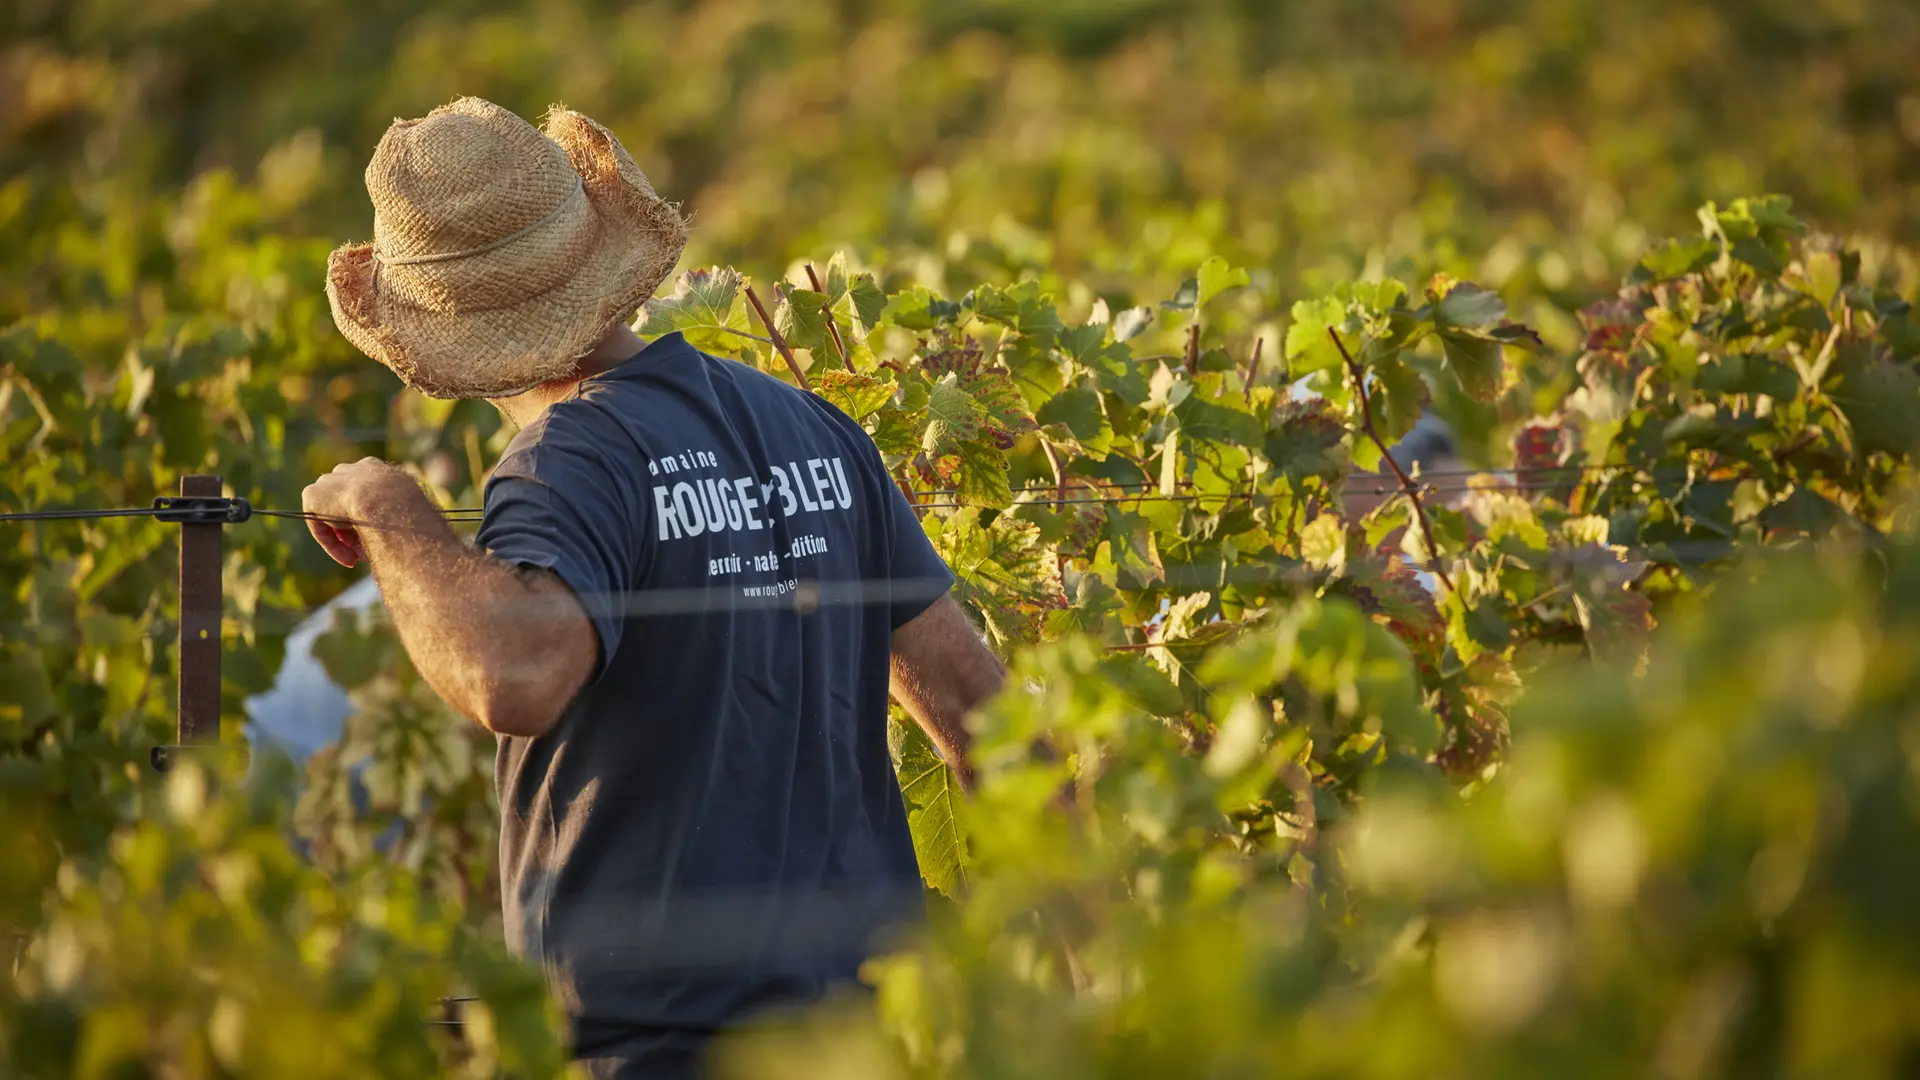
pixel 618 346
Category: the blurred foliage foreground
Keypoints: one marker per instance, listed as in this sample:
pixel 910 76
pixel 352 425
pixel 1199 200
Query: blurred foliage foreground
pixel 1280 788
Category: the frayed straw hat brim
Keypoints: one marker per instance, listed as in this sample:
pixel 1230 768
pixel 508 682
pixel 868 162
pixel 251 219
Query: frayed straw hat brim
pixel 633 240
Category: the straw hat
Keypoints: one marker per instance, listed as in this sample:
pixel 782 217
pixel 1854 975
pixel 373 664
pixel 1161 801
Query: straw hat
pixel 501 253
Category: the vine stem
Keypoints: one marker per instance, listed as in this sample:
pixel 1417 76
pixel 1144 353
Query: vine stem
pixel 833 328
pixel 1253 366
pixel 1407 486
pixel 779 343
pixel 1059 475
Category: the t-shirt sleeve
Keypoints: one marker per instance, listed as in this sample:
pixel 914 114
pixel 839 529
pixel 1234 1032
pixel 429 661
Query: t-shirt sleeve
pixel 916 574
pixel 557 511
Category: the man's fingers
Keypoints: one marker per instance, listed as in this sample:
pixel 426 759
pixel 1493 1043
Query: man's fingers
pixel 339 541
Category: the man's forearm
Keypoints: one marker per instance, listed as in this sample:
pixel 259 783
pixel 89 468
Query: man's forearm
pixel 464 619
pixel 942 671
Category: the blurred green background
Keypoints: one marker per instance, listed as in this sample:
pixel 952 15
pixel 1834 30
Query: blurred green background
pixel 1100 138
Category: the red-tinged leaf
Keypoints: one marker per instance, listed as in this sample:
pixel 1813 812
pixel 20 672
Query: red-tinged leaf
pixel 1388 589
pixel 1520 336
pixel 1005 572
pixel 977 472
pixel 859 396
pixel 1306 439
pixel 998 401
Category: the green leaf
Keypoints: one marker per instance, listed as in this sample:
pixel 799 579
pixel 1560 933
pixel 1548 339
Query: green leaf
pixel 1880 399
pixel 1615 618
pixel 1145 683
pixel 1309 349
pixel 706 307
pixel 998 402
pixel 1081 412
pixel 1464 305
pixel 1037 371
pixel 1202 421
pixel 1749 373
pixel 1093 609
pixel 1476 361
pixel 1216 277
pixel 869 302
pixel 1186 298
pixel 935 811
pixel 1005 571
pixel 1022 307
pixel 1399 396
pixel 919 308
pixel 1304 439
pixel 951 416
pixel 1487 626
pixel 1671 259
pixel 28 698
pixel 898 432
pixel 801 316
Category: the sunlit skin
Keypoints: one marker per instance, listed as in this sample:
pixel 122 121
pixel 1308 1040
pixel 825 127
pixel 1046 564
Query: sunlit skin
pixel 510 648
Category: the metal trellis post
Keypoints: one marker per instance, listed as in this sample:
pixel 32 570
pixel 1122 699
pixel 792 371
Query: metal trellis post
pixel 203 515
pixel 202 548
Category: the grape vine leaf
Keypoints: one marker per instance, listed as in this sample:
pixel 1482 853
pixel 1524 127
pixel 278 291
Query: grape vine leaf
pixel 1880 399
pixel 1308 348
pixel 935 811
pixel 705 306
pixel 1476 361
pixel 800 314
pixel 1215 277
pixel 1078 415
pixel 951 416
pixel 919 308
pixel 1462 305
pixel 1304 440
pixel 997 402
pixel 1004 571
pixel 857 395
pixel 977 469
pixel 1399 395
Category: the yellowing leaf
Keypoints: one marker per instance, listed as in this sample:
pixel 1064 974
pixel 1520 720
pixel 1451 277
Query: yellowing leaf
pixel 857 395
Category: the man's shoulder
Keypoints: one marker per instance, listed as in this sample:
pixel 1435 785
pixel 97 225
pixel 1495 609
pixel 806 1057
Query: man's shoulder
pixel 570 436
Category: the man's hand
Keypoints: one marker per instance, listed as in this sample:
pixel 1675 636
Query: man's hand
pixel 507 650
pixel 368 490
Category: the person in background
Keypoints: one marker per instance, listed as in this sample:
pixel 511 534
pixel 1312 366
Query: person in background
pixel 1429 447
pixel 692 590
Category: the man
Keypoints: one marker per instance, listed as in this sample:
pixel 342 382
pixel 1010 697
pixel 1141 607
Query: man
pixel 690 592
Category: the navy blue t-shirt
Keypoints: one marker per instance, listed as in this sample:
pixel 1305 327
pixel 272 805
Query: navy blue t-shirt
pixel 714 827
